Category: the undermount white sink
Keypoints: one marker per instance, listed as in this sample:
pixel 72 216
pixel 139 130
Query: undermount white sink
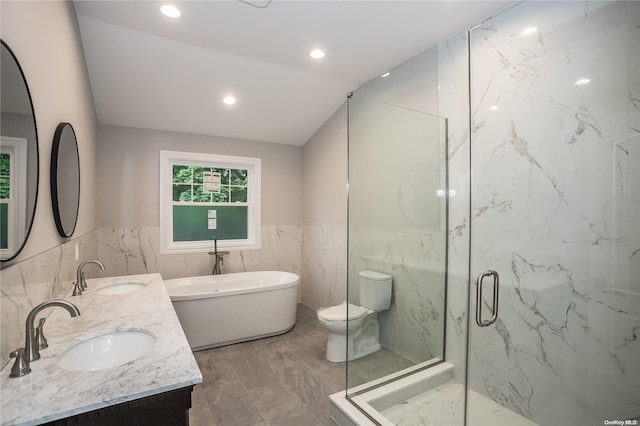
pixel 121 288
pixel 107 350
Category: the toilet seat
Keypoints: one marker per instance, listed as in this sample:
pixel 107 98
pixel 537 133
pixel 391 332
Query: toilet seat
pixel 339 313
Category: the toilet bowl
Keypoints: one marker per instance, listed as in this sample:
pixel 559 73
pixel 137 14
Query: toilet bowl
pixel 354 331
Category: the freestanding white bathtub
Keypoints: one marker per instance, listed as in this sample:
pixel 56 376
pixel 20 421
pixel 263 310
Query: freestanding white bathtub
pixel 217 310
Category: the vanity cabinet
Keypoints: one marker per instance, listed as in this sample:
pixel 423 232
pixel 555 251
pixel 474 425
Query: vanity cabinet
pixel 165 409
pixel 152 389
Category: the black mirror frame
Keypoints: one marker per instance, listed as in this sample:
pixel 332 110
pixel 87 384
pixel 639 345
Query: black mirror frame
pixel 54 179
pixel 3 262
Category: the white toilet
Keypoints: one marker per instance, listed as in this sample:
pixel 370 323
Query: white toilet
pixel 361 336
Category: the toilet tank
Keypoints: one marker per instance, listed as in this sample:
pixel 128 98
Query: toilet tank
pixel 375 290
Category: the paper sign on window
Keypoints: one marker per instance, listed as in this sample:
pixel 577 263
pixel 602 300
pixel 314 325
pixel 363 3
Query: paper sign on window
pixel 211 182
pixel 212 219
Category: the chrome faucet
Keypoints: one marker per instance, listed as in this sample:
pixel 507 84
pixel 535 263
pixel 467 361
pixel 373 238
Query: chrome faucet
pixel 80 283
pixel 218 258
pixel 31 351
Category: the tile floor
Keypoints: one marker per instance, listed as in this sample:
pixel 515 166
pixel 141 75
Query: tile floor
pixel 282 380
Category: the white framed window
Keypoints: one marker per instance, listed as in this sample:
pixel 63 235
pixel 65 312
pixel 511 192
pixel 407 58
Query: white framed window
pixel 205 197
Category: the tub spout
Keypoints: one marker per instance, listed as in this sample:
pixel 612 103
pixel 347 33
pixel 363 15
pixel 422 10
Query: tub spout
pixel 218 258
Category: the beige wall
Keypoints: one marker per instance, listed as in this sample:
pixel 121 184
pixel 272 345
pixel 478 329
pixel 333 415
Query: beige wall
pixel 45 38
pixel 412 85
pixel 324 233
pixel 128 174
pixel 324 161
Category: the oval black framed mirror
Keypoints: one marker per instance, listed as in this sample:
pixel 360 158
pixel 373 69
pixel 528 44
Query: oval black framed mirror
pixel 65 179
pixel 19 157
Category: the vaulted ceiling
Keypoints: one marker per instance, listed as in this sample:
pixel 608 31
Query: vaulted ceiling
pixel 151 71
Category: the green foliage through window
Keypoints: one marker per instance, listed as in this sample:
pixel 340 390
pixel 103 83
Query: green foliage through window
pixel 187 184
pixel 5 176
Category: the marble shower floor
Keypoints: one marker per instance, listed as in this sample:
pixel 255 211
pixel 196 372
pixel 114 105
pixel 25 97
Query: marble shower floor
pixel 436 407
pixel 282 380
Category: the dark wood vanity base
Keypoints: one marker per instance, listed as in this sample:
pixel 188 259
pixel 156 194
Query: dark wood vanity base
pixel 165 409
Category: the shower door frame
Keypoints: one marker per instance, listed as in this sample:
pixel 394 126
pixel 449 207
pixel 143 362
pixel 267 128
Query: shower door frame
pixel 362 389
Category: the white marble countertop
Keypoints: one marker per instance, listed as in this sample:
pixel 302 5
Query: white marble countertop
pixel 50 392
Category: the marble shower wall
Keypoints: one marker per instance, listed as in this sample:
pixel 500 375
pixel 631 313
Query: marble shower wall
pixel 136 250
pixel 556 204
pixel 414 324
pixel 453 103
pixel 44 276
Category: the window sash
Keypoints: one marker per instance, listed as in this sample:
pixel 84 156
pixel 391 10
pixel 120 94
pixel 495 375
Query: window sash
pixel 169 159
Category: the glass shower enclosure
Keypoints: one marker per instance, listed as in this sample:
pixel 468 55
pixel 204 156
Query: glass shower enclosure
pixel 511 228
pixel 397 223
pixel 397 226
pixel 555 101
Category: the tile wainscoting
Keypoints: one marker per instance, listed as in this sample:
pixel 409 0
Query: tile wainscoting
pixel 324 266
pixel 414 324
pixel 44 276
pixel 136 250
pixel 316 253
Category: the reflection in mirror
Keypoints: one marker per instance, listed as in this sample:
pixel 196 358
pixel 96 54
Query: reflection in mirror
pixel 18 157
pixel 65 179
pixel 397 227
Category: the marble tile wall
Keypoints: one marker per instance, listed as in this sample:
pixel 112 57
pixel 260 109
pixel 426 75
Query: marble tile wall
pixel 320 261
pixel 414 324
pixel 44 276
pixel 136 250
pixel 324 266
pixel 555 210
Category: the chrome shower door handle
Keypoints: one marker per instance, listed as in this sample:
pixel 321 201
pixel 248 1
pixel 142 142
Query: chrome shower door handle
pixel 494 308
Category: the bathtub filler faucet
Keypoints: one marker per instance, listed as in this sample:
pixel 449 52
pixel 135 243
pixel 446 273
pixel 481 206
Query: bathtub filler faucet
pixel 80 283
pixel 218 258
pixel 31 351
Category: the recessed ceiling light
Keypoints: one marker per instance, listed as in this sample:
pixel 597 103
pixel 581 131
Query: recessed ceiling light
pixel 386 74
pixel 229 100
pixel 317 54
pixel 582 81
pixel 170 11
pixel 529 31
pixel 494 108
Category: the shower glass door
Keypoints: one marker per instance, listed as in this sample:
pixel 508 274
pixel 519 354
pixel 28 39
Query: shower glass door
pixel 555 161
pixel 397 226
